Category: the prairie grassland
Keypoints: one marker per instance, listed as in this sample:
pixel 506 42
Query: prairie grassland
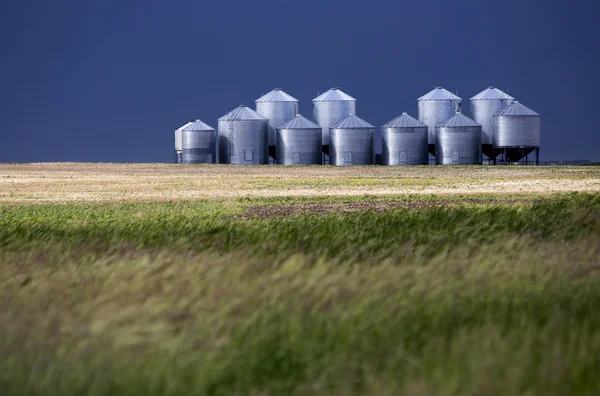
pixel 38 183
pixel 464 292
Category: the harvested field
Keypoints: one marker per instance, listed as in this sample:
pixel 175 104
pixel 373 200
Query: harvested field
pixel 39 183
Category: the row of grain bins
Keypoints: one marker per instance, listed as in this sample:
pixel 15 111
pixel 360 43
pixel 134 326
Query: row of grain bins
pixel 500 127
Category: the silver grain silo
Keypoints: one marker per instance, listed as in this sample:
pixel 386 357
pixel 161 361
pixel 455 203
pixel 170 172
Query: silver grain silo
pixel 484 106
pixel 404 141
pixel 329 109
pixel 279 108
pixel 299 142
pixel 243 137
pixel 458 141
pixel 436 107
pixel 178 142
pixel 223 137
pixel 352 142
pixel 517 132
pixel 199 143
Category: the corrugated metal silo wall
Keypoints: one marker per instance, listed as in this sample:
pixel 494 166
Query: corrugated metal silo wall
pixel 178 145
pixel 278 114
pixel 328 113
pixel 299 146
pixel 223 141
pixel 435 112
pixel 178 140
pixel 243 142
pixel 458 146
pixel 517 131
pixel 483 112
pixel 352 146
pixel 404 146
pixel 199 147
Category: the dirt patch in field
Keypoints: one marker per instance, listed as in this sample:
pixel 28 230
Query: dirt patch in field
pixel 317 208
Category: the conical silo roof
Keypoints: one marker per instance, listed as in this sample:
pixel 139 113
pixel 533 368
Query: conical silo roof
pixel 518 109
pixel 458 121
pixel 352 122
pixel 276 95
pixel 242 113
pixel 226 115
pixel 197 126
pixel 492 93
pixel 300 122
pixel 404 121
pixel 185 125
pixel 439 93
pixel 334 94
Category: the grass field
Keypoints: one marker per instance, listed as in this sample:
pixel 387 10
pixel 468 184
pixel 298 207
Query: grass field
pixel 219 280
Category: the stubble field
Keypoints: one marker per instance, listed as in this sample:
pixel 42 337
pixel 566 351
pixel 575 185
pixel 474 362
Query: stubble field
pixel 119 279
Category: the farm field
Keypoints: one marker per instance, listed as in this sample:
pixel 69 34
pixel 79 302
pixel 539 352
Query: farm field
pixel 148 279
pixel 67 182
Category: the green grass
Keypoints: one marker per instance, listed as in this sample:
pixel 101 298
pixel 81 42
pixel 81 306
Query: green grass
pixel 192 298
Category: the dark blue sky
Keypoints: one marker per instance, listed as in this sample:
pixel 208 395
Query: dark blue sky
pixel 111 80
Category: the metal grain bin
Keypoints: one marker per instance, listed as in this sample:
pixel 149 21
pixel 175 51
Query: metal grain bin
pixel 178 142
pixel 404 141
pixel 199 143
pixel 352 142
pixel 299 142
pixel 484 106
pixel 243 137
pixel 330 108
pixel 279 108
pixel 458 141
pixel 517 126
pixel 223 137
pixel 436 107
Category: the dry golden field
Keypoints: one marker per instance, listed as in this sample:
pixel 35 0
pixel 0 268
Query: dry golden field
pixel 72 182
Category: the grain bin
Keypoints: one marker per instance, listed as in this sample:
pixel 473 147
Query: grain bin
pixel 435 108
pixel 178 142
pixel 329 109
pixel 404 141
pixel 199 143
pixel 517 132
pixel 279 108
pixel 516 126
pixel 243 137
pixel 299 142
pixel 458 141
pixel 352 142
pixel 223 137
pixel 484 106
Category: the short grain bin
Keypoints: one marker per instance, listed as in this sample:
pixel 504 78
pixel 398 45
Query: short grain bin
pixel 458 141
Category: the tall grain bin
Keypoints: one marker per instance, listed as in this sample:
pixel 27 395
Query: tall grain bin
pixel 352 142
pixel 404 141
pixel 223 137
pixel 330 108
pixel 243 137
pixel 199 143
pixel 436 107
pixel 299 142
pixel 178 142
pixel 279 108
pixel 517 132
pixel 458 141
pixel 484 106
